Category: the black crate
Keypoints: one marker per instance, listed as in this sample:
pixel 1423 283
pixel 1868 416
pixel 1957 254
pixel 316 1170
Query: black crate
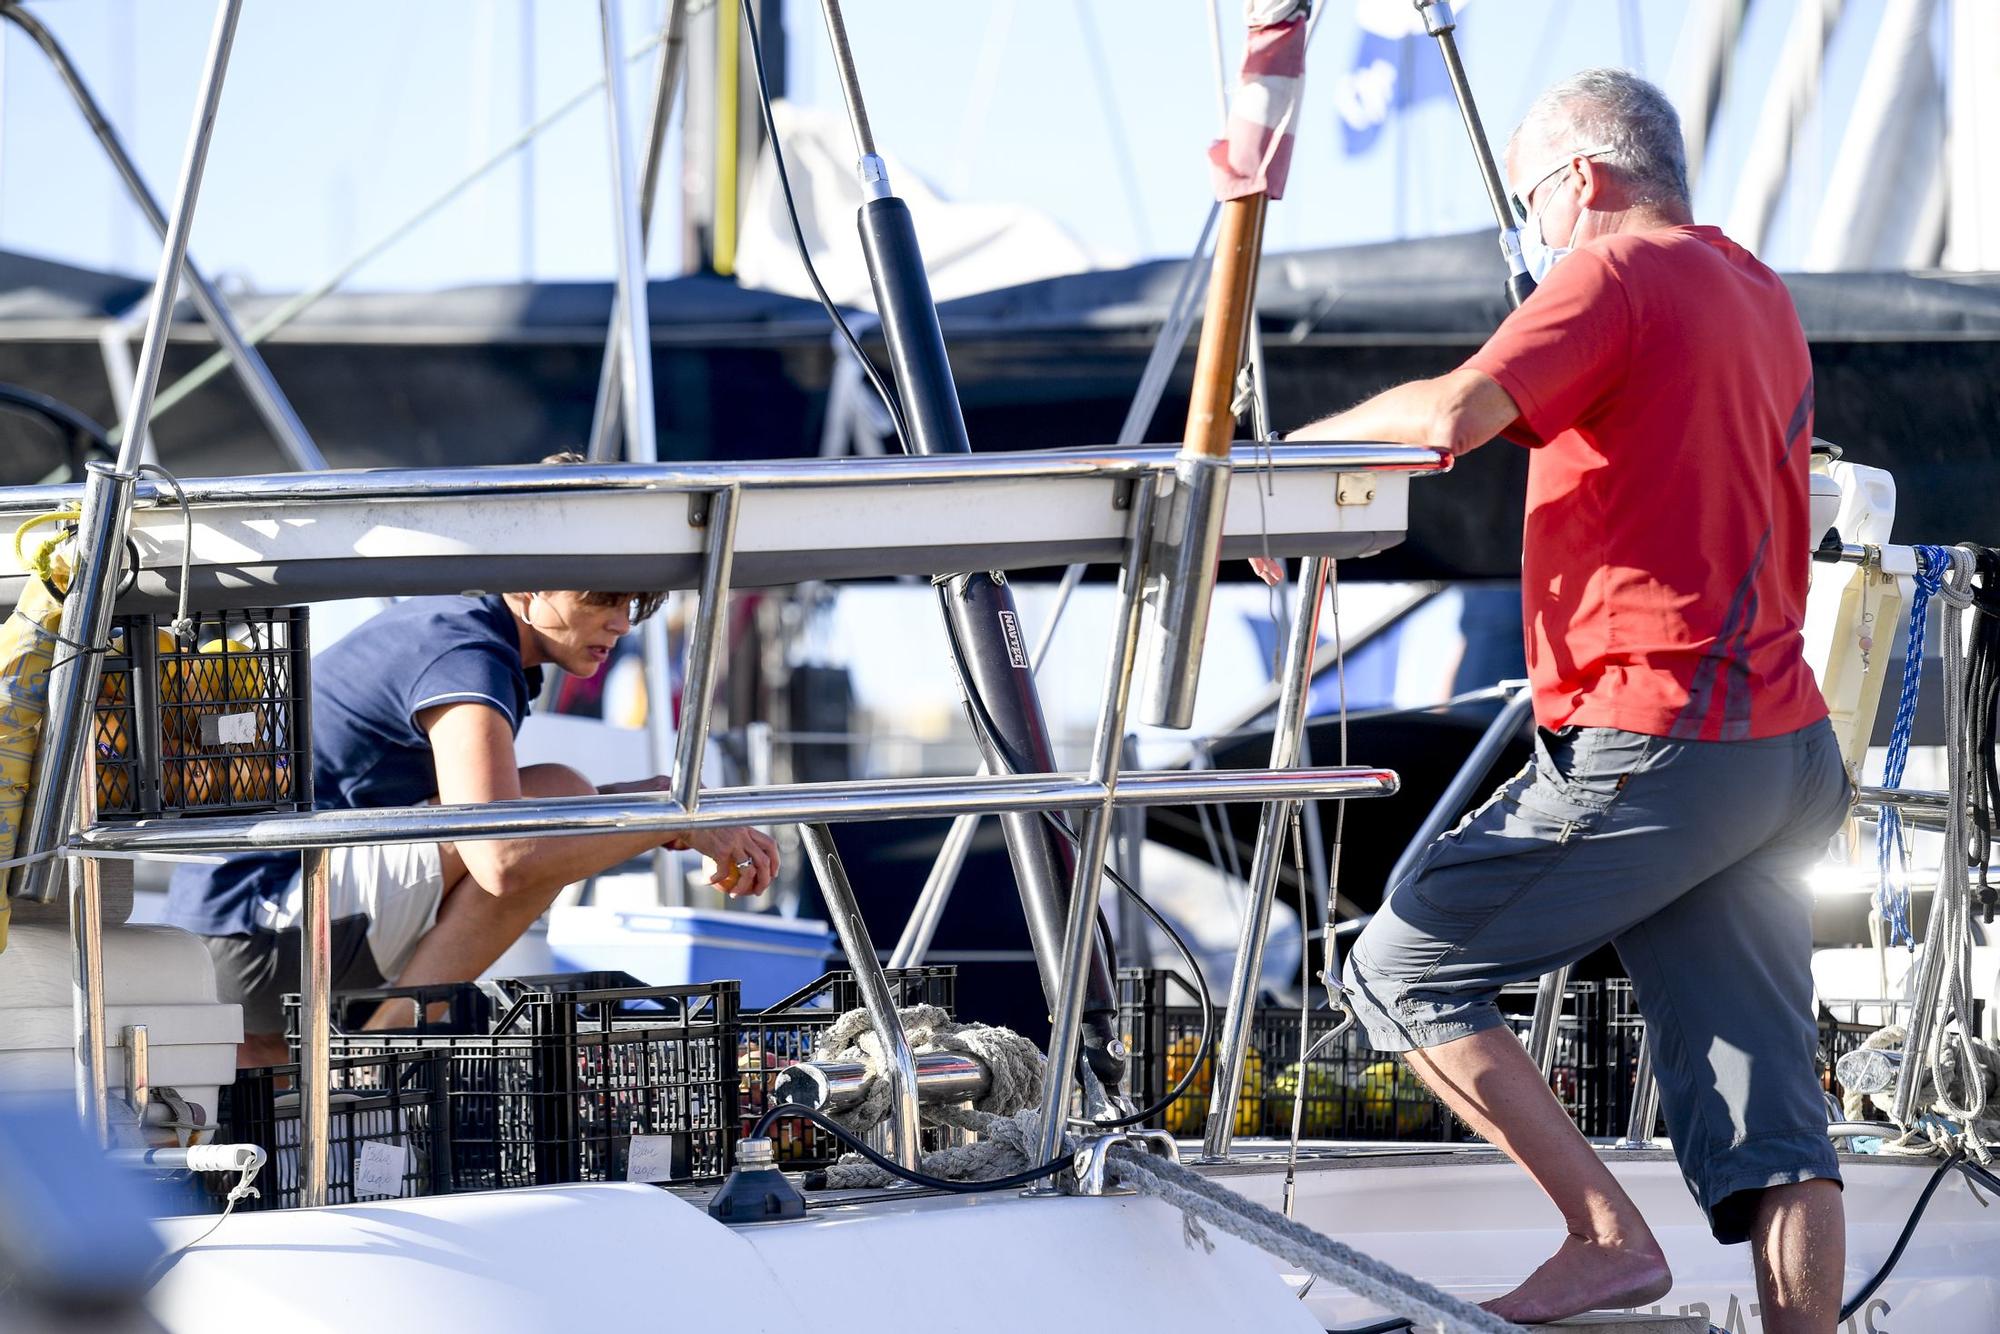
pixel 394 1098
pixel 1352 1090
pixel 569 1074
pixel 214 725
pixel 783 1034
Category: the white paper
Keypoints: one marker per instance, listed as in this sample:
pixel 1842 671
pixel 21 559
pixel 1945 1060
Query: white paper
pixel 229 729
pixel 651 1158
pixel 379 1168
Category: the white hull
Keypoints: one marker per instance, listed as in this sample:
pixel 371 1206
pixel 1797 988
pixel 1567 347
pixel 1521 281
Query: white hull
pixel 624 1257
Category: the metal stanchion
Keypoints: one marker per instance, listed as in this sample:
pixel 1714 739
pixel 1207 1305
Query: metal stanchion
pixel 704 654
pixel 1079 932
pixel 1272 825
pixel 315 1017
pixel 898 1066
pixel 1547 1019
pixel 1645 1099
pixel 87 610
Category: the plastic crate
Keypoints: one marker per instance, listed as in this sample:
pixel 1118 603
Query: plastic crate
pixel 394 1100
pixel 219 725
pixel 569 1074
pixel 783 1034
pixel 1352 1090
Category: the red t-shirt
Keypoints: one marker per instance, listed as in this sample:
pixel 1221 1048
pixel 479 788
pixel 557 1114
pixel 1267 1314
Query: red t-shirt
pixel 1666 392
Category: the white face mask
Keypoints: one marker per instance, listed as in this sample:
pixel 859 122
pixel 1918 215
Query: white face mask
pixel 1535 249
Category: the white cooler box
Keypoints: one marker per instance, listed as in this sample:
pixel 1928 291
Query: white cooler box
pixel 158 976
pixel 664 947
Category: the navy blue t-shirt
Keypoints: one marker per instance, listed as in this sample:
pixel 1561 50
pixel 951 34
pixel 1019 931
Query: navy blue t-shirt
pixel 367 690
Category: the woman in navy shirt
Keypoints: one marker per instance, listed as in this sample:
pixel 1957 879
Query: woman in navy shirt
pixel 421 703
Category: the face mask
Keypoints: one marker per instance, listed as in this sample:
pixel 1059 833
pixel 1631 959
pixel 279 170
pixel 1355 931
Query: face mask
pixel 1535 249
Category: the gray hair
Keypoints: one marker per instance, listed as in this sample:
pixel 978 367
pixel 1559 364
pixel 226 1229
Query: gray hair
pixel 1621 113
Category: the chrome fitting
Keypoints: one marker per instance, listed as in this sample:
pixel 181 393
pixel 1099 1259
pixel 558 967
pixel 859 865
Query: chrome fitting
pixel 1090 1167
pixel 875 176
pixel 1180 585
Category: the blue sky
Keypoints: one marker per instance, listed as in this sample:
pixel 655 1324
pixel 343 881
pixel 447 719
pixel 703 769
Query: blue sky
pixel 340 119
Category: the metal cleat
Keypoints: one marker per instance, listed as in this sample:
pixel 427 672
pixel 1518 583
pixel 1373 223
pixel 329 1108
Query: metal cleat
pixel 1091 1176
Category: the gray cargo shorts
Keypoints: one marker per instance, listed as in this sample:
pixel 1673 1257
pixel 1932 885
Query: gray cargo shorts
pixel 1690 858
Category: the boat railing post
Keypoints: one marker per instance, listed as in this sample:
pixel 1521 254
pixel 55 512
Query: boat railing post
pixel 704 653
pixel 1466 781
pixel 1273 823
pixel 86 922
pixel 86 615
pixel 315 1022
pixel 258 383
pixel 1645 1098
pixel 1546 1021
pixel 898 1066
pixel 605 418
pixel 1079 930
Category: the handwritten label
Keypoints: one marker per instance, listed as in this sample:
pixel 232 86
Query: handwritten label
pixel 379 1168
pixel 652 1158
pixel 229 729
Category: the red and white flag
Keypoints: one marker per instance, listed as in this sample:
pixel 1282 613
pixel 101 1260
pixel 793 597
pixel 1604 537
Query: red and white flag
pixel 1256 153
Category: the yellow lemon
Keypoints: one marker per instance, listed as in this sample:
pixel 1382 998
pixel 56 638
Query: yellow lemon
pixel 1189 1113
pixel 246 669
pixel 1394 1098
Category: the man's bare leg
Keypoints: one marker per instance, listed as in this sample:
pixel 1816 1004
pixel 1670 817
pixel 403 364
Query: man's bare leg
pixel 1610 1258
pixel 1799 1244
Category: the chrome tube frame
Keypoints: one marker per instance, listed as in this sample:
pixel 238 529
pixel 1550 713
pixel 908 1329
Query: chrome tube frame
pixel 315 1021
pixel 1189 546
pixel 1466 781
pixel 265 396
pixel 605 417
pixel 86 924
pixel 58 780
pixel 636 368
pixel 87 610
pixel 839 1086
pixel 703 653
pixel 898 1066
pixel 1645 1099
pixel 271 491
pixel 831 803
pixel 1546 1021
pixel 1273 823
pixel 1079 930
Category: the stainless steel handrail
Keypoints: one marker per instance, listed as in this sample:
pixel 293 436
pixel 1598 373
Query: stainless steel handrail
pixel 266 490
pixel 878 799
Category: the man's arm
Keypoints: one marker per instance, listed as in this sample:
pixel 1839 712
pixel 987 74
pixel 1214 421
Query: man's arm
pixel 1459 411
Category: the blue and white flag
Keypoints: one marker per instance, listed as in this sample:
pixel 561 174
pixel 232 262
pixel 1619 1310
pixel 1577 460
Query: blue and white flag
pixel 1396 65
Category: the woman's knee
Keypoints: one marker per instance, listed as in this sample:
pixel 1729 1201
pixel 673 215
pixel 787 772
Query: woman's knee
pixel 555 780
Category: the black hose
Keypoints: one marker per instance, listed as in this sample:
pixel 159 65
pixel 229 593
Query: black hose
pixel 981 715
pixel 1859 1299
pixel 983 723
pixel 889 399
pixel 892 1167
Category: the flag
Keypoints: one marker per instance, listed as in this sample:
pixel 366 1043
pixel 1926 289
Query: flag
pixel 1255 153
pixel 1396 65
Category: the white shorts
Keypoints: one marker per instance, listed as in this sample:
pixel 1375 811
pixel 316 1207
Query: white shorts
pixel 396 886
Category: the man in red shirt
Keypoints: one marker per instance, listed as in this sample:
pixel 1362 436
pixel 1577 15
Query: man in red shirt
pixel 1684 774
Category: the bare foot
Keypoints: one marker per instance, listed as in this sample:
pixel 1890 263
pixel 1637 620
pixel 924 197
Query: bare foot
pixel 1585 1275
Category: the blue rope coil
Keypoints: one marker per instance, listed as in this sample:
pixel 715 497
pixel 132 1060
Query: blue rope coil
pixel 1892 854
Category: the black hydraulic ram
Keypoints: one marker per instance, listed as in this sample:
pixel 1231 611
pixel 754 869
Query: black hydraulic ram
pixel 1439 23
pixel 979 610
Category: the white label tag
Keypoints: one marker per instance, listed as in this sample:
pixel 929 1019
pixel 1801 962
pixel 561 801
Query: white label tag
pixel 379 1168
pixel 229 729
pixel 651 1158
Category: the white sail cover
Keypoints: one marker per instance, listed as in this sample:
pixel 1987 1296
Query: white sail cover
pixel 968 247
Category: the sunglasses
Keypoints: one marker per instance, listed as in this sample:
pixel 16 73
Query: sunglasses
pixel 1518 201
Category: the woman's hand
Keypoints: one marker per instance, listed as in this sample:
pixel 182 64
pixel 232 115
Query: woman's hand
pixel 746 862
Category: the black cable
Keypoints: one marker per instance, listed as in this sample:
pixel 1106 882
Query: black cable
pixel 889 399
pixel 983 723
pixel 978 705
pixel 1389 1326
pixel 892 1167
pixel 1982 725
pixel 1860 1298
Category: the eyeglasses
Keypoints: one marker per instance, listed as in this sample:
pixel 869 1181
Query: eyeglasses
pixel 1518 201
